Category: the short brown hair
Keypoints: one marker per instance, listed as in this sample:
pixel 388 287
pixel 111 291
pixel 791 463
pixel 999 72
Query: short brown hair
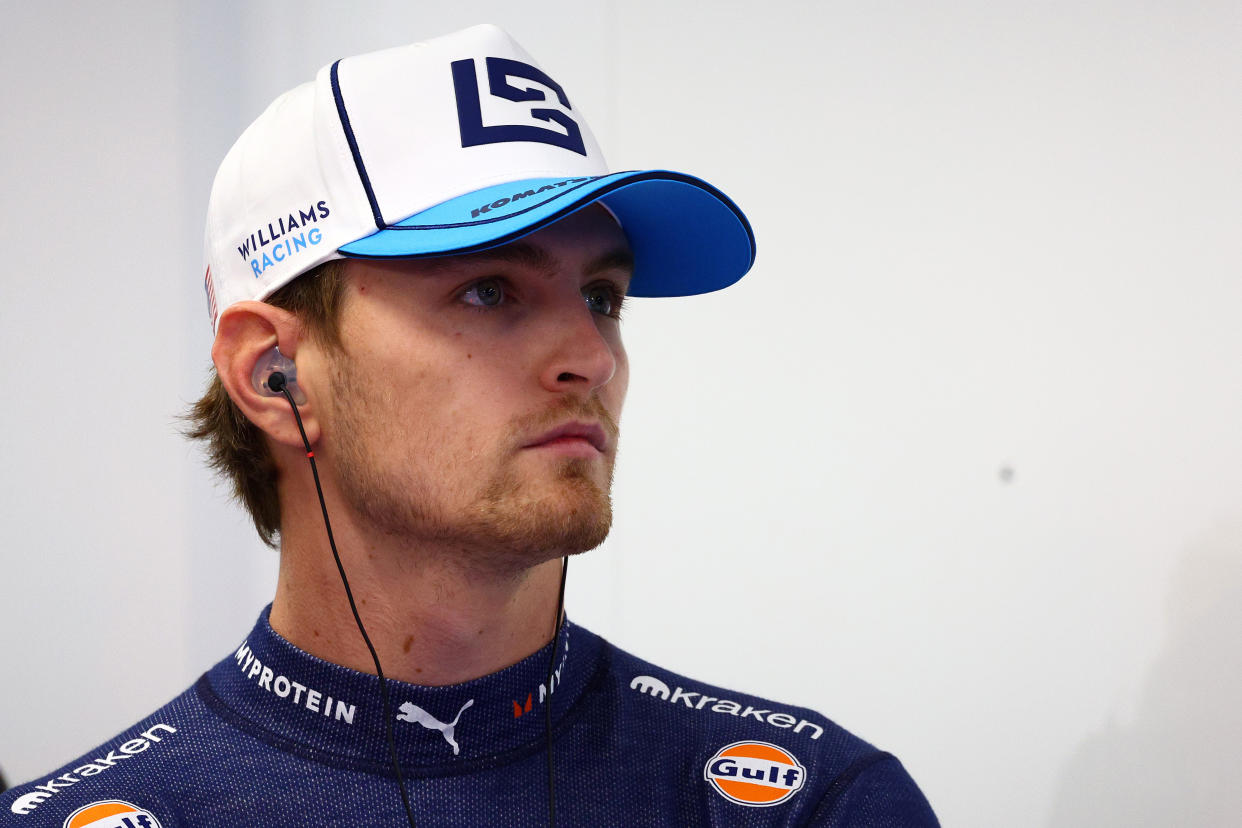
pixel 236 448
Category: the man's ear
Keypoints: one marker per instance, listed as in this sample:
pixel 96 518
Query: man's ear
pixel 246 333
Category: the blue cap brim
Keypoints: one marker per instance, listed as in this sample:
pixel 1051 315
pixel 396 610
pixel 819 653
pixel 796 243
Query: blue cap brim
pixel 687 236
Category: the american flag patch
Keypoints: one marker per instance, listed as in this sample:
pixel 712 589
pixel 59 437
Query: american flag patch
pixel 211 297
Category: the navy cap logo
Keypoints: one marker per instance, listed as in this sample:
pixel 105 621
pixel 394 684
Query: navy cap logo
pixel 501 72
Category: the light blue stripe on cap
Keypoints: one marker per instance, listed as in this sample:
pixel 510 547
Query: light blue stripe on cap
pixel 687 236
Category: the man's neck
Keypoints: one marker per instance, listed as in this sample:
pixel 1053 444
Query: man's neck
pixel 432 620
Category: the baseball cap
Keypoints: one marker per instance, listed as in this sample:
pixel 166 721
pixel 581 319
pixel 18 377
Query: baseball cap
pixel 452 145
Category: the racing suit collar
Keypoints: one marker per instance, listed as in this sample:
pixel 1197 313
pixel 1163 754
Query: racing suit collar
pixel 292 699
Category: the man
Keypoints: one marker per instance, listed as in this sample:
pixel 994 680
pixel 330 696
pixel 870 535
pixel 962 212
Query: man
pixel 416 270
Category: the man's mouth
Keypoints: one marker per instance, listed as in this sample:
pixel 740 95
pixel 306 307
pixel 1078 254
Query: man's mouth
pixel 571 435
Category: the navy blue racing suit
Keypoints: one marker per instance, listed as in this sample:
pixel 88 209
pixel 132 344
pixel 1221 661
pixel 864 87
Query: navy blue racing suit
pixel 273 736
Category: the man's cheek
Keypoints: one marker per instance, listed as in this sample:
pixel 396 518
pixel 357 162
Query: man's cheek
pixel 466 439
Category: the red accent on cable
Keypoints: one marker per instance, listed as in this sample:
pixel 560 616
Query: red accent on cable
pixel 310 454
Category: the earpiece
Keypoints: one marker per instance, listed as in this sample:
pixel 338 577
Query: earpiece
pixel 274 376
pixel 273 373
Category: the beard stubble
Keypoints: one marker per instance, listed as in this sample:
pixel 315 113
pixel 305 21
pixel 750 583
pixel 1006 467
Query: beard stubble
pixel 476 503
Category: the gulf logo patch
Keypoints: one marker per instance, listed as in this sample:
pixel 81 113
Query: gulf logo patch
pixel 756 774
pixel 111 813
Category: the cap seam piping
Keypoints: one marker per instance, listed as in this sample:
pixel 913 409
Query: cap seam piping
pixel 343 114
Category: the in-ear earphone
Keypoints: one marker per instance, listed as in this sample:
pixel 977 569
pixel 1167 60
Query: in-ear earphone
pixel 273 373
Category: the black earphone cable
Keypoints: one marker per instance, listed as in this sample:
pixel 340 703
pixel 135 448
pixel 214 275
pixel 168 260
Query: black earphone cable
pixel 547 708
pixel 276 382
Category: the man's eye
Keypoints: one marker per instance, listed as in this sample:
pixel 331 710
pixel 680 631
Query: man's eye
pixel 486 293
pixel 603 299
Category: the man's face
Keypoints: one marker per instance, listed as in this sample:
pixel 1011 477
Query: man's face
pixel 454 378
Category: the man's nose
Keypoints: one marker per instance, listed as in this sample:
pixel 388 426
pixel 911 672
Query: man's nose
pixel 580 357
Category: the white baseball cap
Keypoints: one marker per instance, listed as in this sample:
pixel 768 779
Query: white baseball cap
pixel 452 145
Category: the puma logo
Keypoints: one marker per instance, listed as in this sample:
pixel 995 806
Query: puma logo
pixel 411 712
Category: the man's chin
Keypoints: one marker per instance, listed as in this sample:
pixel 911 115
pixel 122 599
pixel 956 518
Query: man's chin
pixel 575 519
pixel 569 514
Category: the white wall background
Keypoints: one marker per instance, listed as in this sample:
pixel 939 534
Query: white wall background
pixel 958 464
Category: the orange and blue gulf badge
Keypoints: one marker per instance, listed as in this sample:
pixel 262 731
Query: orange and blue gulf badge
pixel 756 774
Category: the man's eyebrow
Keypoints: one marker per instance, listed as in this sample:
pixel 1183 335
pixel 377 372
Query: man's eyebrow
pixel 534 257
pixel 514 253
pixel 619 259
